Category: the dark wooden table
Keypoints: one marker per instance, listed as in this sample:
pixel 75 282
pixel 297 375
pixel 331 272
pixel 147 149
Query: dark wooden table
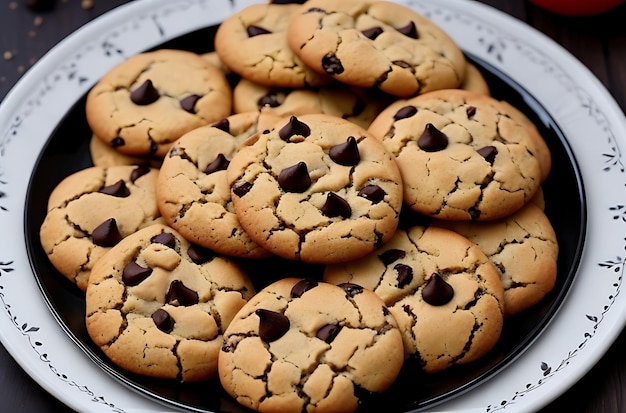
pixel 598 41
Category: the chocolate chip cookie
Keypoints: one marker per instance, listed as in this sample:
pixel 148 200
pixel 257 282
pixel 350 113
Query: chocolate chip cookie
pixel 445 294
pixel 376 44
pixel 463 156
pixel 301 345
pixel 92 210
pixel 158 306
pixel 141 106
pixel 316 188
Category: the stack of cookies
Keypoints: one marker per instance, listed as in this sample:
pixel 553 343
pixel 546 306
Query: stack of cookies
pixel 350 137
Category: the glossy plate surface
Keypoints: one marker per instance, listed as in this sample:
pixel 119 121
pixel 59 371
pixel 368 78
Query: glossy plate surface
pixel 44 328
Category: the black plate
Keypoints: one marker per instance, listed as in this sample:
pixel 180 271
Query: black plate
pixel 67 151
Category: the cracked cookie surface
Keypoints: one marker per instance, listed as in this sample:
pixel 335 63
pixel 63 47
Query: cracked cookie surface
pixel 91 210
pixel 253 44
pixel 301 345
pixel 461 154
pixel 316 188
pixel 443 291
pixel 158 306
pixel 144 104
pixel 376 44
pixel 524 249
pixel 193 194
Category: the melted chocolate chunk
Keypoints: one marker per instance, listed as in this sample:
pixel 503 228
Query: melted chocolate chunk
pixel 336 206
pixel 223 124
pixel 162 320
pixel 106 234
pixel 470 111
pixel 145 94
pixel 405 112
pixel 391 256
pixel 332 65
pixel 253 30
pixel 302 286
pixel 153 147
pixel 199 254
pixel 179 294
pixel 295 178
pixel 432 139
pixel 351 289
pixel 138 172
pixel 293 128
pixel 118 189
pixel 219 164
pixel 405 275
pixel 409 30
pixel 134 274
pixel 117 142
pixel 272 325
pixel 437 291
pixel 328 332
pixel 373 32
pixel 189 103
pixel 489 153
pixel 269 100
pixel 242 189
pixel 165 238
pixel 374 193
pixel 346 153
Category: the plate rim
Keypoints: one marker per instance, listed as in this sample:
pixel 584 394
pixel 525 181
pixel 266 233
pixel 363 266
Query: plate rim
pixel 36 75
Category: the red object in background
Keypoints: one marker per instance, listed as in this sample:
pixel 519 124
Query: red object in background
pixel 578 7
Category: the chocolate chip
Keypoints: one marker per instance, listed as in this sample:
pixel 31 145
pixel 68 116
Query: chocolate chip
pixel 488 152
pixel 272 325
pixel 374 193
pixel 373 32
pixel 391 256
pixel 402 64
pixel 351 289
pixel 404 275
pixel 133 274
pixel 332 65
pixel 269 100
pixel 346 153
pixel 328 332
pixel 223 125
pixel 165 238
pixel 106 234
pixel 336 206
pixel 162 320
pixel 405 112
pixel 179 294
pixel 256 31
pixel 219 164
pixel 117 142
pixel 287 1
pixel 138 172
pixel 302 286
pixel 432 139
pixel 199 255
pixel 295 178
pixel 294 127
pixel 242 189
pixel 470 111
pixel 118 189
pixel 144 94
pixel 437 291
pixel 189 103
pixel 153 148
pixel 409 30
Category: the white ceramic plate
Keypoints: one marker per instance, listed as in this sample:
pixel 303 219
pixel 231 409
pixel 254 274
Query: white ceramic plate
pixel 591 317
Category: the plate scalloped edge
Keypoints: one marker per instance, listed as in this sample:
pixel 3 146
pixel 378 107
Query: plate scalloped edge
pixel 592 316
